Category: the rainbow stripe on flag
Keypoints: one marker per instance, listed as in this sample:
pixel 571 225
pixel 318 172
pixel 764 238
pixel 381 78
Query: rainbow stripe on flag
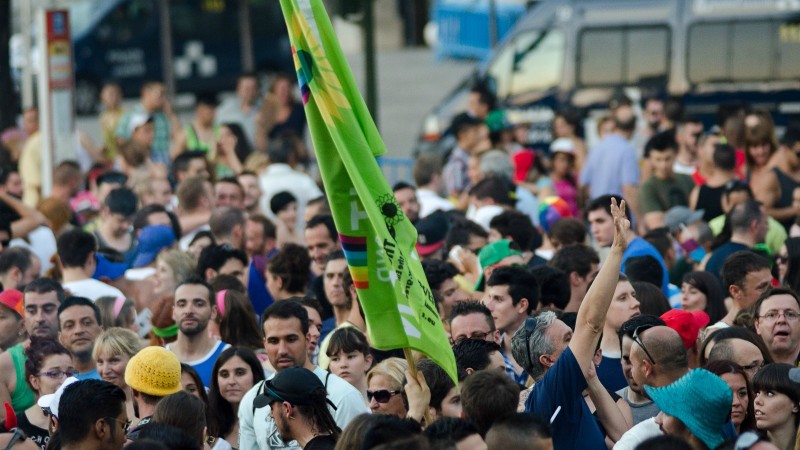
pixel 355 252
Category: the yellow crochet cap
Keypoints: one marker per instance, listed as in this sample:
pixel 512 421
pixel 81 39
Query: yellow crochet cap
pixel 154 371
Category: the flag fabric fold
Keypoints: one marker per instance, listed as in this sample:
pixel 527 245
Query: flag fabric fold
pixel 378 240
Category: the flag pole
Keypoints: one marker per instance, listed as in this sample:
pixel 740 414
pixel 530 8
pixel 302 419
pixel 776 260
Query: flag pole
pixel 412 369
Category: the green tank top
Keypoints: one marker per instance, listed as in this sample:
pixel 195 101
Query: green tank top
pixel 23 396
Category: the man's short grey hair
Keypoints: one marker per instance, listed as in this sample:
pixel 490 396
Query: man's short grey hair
pixel 537 341
pixel 497 162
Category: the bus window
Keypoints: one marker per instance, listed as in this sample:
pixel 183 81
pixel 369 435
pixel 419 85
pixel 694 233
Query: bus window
pixel 708 56
pixel 750 45
pixel 744 51
pixel 647 54
pixel 613 56
pixel 499 71
pixel 600 57
pixel 532 62
pixel 538 60
pixel 789 51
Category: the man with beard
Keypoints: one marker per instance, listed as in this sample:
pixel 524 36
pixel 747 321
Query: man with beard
pixel 40 300
pixel 299 406
pixel 777 313
pixel 642 407
pixel 192 311
pixel 286 328
pixel 78 327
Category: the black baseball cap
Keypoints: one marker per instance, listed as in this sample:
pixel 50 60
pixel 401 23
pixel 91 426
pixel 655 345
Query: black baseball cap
pixel 295 385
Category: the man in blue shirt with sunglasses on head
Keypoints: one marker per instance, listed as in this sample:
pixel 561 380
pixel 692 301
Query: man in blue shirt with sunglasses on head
pixel 560 361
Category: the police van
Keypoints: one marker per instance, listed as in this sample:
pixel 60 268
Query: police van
pixel 581 53
pixel 120 40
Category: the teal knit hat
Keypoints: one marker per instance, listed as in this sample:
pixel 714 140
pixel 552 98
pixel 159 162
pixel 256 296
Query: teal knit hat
pixel 699 399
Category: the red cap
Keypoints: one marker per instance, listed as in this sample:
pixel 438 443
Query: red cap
pixel 523 161
pixel 12 298
pixel 687 324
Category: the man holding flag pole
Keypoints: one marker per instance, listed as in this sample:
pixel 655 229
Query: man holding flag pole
pixel 377 238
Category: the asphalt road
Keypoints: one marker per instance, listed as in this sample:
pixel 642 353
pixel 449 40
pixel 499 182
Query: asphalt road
pixel 410 84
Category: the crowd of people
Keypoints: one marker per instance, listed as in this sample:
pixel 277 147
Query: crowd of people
pixel 183 286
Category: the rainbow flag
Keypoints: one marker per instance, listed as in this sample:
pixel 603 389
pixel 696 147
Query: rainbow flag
pixel 378 239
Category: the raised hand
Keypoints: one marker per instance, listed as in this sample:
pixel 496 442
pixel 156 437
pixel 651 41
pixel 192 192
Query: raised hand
pixel 621 224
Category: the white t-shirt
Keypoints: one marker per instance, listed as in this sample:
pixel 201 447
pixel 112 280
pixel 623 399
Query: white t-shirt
pixel 258 431
pixel 92 289
pixel 42 244
pixel 640 432
pixel 429 202
pixel 280 177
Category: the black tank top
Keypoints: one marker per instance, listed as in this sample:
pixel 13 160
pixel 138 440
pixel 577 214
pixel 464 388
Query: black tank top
pixel 787 185
pixel 709 199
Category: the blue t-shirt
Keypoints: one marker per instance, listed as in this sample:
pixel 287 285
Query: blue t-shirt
pixel 205 366
pixel 90 375
pixel 640 247
pixel 257 289
pixel 562 386
pixel 609 372
pixel 720 254
pixel 611 164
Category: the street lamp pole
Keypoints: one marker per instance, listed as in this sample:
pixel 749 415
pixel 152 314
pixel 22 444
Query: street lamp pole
pixel 369 59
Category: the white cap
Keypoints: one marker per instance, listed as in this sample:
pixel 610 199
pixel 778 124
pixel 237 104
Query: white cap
pixel 137 120
pixel 563 145
pixel 51 401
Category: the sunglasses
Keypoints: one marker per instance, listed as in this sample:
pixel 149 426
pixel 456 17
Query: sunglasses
pixel 126 425
pixel 478 335
pixel 19 436
pixel 638 339
pixel 530 327
pixel 736 185
pixel 382 395
pixel 780 259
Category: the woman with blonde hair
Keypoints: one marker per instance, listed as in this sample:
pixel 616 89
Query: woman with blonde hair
pixel 113 348
pixel 172 267
pixel 385 384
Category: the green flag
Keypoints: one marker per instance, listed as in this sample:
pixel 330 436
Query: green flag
pixel 378 240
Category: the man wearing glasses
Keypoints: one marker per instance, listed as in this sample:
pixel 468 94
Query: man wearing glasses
pixel 657 358
pixel 778 323
pixel 561 361
pixel 472 320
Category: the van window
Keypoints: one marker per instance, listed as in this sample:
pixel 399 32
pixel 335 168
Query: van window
pixel 533 61
pixel 127 20
pixel 743 51
pixel 191 19
pixel 611 56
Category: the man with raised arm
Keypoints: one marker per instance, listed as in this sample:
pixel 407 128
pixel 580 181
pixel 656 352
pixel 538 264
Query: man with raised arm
pixel 561 361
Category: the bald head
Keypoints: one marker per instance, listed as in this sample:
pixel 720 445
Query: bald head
pixel 666 347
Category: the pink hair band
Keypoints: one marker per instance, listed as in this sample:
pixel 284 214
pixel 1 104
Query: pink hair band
pixel 118 304
pixel 221 301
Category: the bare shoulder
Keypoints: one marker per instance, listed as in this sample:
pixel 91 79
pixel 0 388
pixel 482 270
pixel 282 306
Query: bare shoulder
pixel 6 366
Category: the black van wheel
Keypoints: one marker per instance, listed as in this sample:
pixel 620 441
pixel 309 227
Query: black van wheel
pixel 87 94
